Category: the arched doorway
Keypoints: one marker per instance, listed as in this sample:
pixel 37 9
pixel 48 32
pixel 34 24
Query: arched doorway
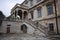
pixel 20 13
pixel 25 15
pixel 24 28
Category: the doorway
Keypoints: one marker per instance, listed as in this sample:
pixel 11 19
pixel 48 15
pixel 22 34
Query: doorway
pixel 8 29
pixel 24 28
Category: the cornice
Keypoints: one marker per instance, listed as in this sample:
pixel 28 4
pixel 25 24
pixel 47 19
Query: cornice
pixel 30 9
pixel 48 18
pixel 19 6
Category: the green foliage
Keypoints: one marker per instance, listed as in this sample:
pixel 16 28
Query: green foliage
pixel 2 16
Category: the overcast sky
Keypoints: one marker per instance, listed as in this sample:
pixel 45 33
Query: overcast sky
pixel 7 5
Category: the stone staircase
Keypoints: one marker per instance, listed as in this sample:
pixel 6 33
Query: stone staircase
pixel 24 36
pixel 40 27
pixel 43 29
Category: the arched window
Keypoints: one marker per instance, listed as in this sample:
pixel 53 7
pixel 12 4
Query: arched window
pixel 25 14
pixel 20 13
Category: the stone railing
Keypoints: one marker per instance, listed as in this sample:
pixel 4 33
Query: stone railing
pixel 39 26
pixel 42 27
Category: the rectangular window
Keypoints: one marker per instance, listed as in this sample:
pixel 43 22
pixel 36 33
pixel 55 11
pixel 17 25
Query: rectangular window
pixel 39 12
pixel 51 27
pixel 50 9
pixel 31 2
pixel 31 14
pixel 38 0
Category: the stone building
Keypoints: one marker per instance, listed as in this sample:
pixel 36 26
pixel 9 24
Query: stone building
pixel 34 17
pixel 43 12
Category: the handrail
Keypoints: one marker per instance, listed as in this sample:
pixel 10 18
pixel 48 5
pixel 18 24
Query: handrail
pixel 34 26
pixel 41 27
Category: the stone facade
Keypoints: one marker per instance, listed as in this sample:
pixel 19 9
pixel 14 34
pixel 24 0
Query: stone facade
pixel 34 18
pixel 15 27
pixel 45 19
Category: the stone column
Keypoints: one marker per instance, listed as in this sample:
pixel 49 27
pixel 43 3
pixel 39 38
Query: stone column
pixel 27 16
pixel 22 15
pixel 15 14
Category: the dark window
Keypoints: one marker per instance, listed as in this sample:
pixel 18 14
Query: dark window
pixel 38 0
pixel 31 14
pixel 20 13
pixel 51 27
pixel 39 12
pixel 8 25
pixel 15 13
pixel 50 9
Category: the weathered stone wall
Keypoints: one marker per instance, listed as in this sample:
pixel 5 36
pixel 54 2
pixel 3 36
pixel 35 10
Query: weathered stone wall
pixel 15 27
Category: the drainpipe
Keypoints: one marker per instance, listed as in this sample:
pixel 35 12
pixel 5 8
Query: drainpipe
pixel 56 16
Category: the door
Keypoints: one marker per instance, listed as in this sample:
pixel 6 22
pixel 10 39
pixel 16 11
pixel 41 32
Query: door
pixel 8 29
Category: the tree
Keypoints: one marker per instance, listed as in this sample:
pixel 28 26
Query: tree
pixel 2 16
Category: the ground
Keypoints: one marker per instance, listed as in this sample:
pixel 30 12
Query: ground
pixel 23 36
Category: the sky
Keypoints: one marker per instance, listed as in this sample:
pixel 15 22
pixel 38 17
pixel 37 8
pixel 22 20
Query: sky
pixel 7 5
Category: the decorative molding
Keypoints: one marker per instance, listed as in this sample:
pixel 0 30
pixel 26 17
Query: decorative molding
pixel 47 18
